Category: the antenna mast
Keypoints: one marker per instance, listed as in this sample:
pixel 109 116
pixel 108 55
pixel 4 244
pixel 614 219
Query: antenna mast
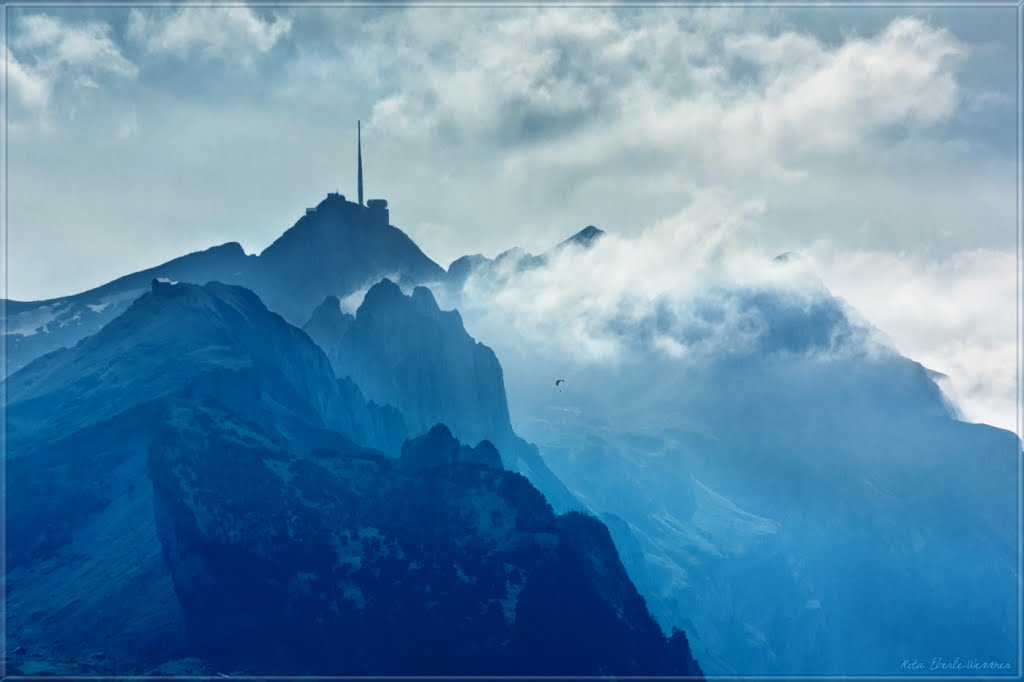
pixel 359 144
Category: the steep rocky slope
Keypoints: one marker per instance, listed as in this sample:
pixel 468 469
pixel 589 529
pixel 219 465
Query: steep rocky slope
pixel 335 249
pixel 192 483
pixel 407 352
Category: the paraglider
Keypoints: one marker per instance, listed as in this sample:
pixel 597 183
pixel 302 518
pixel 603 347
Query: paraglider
pixel 558 384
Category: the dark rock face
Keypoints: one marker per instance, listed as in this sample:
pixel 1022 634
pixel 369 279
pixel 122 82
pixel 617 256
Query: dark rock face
pixel 407 352
pixel 85 570
pixel 327 324
pixel 356 564
pixel 586 237
pixel 439 448
pixel 460 268
pixel 186 335
pixel 182 496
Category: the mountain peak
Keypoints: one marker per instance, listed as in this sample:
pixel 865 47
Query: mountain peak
pixel 439 448
pixel 424 300
pixel 328 322
pixel 383 293
pixel 174 336
pixel 336 248
pixel 231 248
pixel 585 237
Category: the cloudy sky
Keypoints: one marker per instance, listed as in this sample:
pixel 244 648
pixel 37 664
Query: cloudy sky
pixel 881 142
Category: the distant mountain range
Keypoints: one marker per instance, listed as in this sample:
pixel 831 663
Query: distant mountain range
pixel 334 249
pixel 194 485
pixel 405 351
pixel 797 494
pixel 212 468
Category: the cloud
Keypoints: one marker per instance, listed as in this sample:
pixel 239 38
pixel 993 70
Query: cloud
pixel 129 126
pixel 598 87
pixel 46 50
pixel 811 98
pixel 30 88
pixel 955 315
pixel 679 287
pixel 488 128
pixel 566 116
pixel 228 32
pixel 695 287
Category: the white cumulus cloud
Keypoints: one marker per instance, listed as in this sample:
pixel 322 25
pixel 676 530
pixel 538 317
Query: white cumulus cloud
pixel 46 50
pixel 677 288
pixel 716 98
pixel 955 315
pixel 228 32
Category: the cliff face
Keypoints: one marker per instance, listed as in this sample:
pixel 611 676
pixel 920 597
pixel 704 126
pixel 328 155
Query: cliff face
pixel 358 564
pixel 407 352
pixel 327 325
pixel 185 487
pixel 185 335
pixel 85 567
pixel 438 448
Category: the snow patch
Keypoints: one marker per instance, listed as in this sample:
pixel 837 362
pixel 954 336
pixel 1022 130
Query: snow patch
pixel 31 322
pixel 115 300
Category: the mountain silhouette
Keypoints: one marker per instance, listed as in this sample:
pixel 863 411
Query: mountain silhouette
pixel 335 249
pixel 407 352
pixel 796 494
pixel 193 483
pixel 515 260
pixel 85 568
pixel 38 327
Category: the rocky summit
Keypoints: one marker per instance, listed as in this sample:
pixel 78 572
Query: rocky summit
pixel 193 489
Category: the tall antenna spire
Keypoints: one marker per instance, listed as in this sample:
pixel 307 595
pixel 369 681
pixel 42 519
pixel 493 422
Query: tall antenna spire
pixel 359 143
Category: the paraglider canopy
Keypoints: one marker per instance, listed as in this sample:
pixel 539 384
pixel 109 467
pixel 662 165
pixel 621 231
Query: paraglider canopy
pixel 559 382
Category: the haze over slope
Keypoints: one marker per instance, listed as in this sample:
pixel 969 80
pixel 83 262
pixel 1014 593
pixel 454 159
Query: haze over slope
pixel 772 471
pixel 194 481
pixel 763 449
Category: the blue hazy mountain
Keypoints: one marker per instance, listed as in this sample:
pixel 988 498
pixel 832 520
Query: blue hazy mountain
pixel 365 564
pixel 407 352
pixel 192 489
pixel 38 327
pixel 803 500
pixel 335 249
pixel 515 259
pixel 327 325
pixel 179 335
pixel 86 571
pixel 586 237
